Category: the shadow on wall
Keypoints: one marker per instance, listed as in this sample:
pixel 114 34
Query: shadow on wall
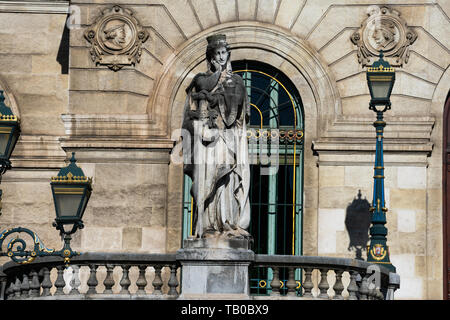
pixel 357 223
pixel 63 52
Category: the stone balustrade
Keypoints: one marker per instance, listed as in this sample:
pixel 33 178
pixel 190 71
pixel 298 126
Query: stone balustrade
pixel 94 276
pixel 156 276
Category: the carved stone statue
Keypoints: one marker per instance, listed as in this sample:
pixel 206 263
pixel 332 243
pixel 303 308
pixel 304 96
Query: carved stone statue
pixel 216 155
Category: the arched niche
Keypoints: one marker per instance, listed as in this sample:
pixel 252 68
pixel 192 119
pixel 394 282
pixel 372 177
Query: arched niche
pixel 255 41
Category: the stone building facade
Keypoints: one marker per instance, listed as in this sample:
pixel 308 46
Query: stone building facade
pixel 119 117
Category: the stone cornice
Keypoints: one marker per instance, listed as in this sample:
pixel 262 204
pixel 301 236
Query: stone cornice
pixel 108 125
pixel 56 7
pixel 358 135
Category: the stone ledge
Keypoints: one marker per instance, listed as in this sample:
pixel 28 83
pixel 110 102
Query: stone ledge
pixel 107 124
pixel 36 151
pixel 131 142
pixel 59 7
pixel 124 151
pixel 227 251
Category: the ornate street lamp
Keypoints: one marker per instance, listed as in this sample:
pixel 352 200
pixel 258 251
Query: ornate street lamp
pixel 9 134
pixel 380 79
pixel 71 191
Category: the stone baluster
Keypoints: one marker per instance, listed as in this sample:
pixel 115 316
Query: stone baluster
pixel 358 284
pixel 275 284
pixel 141 282
pixel 308 285
pixel 291 284
pixel 25 287
pixel 75 282
pixel 372 293
pixel 364 289
pixel 9 293
pixel 3 284
pixel 173 281
pixel 35 286
pixel 378 294
pixel 338 285
pixel 17 286
pixel 157 281
pixel 109 280
pixel 60 283
pixel 352 287
pixel 393 284
pixel 92 281
pixel 46 283
pixel 323 284
pixel 125 281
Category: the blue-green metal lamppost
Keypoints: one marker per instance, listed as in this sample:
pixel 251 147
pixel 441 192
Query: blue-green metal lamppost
pixel 71 191
pixel 380 79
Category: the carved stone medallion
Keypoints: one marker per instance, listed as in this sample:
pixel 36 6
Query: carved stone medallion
pixel 385 30
pixel 116 38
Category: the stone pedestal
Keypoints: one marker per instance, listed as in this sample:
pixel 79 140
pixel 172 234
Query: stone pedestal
pixel 215 268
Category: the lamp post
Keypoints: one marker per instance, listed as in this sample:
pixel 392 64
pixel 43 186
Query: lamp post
pixel 9 134
pixel 380 79
pixel 71 191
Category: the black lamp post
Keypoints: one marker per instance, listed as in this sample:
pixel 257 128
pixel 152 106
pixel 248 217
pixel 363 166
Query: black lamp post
pixel 71 191
pixel 380 79
pixel 9 134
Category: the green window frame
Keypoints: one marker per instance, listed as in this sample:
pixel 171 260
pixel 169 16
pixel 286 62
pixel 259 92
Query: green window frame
pixel 276 115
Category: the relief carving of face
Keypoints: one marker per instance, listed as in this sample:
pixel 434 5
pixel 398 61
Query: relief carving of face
pixel 115 37
pixel 383 36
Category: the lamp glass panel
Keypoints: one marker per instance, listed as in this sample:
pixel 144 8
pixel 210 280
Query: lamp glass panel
pixel 380 89
pixel 4 137
pixel 12 145
pixel 83 207
pixel 67 204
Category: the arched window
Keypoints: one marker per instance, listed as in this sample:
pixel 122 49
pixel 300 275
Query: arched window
pixel 275 138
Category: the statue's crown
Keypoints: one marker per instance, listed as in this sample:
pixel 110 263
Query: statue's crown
pixel 216 38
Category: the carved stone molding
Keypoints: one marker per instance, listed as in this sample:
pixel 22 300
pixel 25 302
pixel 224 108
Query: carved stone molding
pixel 116 38
pixel 385 30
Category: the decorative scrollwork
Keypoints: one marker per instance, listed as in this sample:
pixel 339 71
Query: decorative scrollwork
pixel 16 248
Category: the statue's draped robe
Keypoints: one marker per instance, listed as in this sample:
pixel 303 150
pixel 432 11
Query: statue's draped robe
pixel 216 157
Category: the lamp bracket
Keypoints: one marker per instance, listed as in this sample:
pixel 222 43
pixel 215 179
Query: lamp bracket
pixel 16 248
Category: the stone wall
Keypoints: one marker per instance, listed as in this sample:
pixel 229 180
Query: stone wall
pixel 120 123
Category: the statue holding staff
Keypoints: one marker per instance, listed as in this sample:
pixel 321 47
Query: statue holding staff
pixel 216 115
